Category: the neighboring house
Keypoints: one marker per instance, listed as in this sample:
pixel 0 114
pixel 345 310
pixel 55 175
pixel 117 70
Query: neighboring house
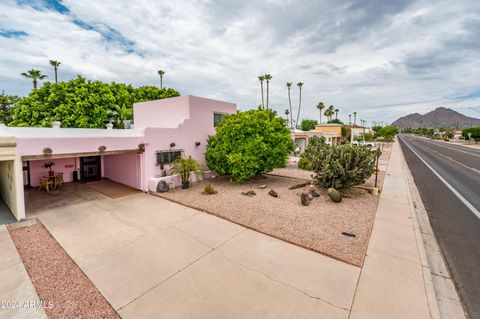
pixel 457 134
pixel 331 132
pixel 358 131
pixel 163 130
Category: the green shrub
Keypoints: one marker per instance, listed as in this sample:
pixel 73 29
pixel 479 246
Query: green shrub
pixel 314 152
pixel 249 143
pixel 209 190
pixel 344 166
pixel 304 163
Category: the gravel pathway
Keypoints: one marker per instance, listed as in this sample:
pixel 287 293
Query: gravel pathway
pixel 56 278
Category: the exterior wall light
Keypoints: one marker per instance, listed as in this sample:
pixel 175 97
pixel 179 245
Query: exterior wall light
pixel 197 143
pixel 47 151
pixel 102 148
pixel 172 144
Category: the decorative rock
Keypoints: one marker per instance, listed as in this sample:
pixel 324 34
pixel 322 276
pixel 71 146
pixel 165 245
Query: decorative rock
pixel 298 186
pixel 304 199
pixel 262 186
pixel 162 187
pixel 273 193
pixel 335 195
pixel 249 193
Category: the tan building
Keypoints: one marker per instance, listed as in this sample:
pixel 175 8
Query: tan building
pixel 331 132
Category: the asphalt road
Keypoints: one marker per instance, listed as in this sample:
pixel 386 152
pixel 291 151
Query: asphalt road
pixel 454 221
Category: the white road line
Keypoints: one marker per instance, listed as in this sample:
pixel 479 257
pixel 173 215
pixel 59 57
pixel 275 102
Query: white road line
pixel 454 191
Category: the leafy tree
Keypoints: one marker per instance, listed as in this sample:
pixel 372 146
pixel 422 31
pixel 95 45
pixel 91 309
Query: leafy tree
pixel 308 125
pixel 81 103
pixel 249 143
pixel 7 105
pixel 35 75
pixel 55 65
pixel 335 121
pixel 475 133
pixel 387 132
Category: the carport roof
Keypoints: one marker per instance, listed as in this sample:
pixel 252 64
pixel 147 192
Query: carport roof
pixel 48 132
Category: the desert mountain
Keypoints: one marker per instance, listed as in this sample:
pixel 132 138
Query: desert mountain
pixel 440 117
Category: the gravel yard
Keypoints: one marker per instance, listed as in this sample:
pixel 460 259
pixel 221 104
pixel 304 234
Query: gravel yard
pixel 318 226
pixel 59 282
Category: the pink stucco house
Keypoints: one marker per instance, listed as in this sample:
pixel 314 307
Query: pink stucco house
pixel 162 130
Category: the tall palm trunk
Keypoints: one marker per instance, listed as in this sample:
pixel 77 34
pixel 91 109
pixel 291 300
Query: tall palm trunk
pixel 267 93
pixel 290 105
pixel 161 82
pixel 299 106
pixel 261 88
pixel 56 80
pixel 34 84
pixel 320 116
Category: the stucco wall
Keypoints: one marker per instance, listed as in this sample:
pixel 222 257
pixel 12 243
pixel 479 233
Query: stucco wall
pixel 195 129
pixel 123 168
pixel 62 165
pixel 166 113
pixel 8 185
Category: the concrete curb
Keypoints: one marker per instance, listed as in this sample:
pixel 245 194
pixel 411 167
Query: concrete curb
pixel 442 296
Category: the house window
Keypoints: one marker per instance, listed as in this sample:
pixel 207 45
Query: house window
pixel 217 117
pixel 167 157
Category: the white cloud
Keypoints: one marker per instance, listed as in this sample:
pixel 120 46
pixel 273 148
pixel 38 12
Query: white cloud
pixel 381 59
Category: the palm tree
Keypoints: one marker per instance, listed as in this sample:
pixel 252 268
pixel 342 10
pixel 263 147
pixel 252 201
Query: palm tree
pixel 262 78
pixel 299 84
pixel 336 114
pixel 161 73
pixel 349 119
pixel 329 113
pixel 55 65
pixel 354 118
pixel 289 86
pixel 267 78
pixel 34 75
pixel 320 107
pixel 287 113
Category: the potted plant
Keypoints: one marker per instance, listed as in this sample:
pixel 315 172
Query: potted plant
pixel 184 167
pixel 49 166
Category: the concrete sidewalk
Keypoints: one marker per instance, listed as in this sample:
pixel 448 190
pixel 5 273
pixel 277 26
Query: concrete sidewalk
pixel 18 298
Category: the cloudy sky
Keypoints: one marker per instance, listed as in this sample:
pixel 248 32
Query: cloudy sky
pixel 383 59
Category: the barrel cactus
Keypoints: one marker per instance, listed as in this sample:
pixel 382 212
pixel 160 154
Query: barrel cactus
pixel 335 195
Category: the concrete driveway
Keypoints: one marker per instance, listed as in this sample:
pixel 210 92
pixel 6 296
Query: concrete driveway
pixel 152 258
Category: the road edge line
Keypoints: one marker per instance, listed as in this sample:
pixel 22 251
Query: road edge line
pixel 450 187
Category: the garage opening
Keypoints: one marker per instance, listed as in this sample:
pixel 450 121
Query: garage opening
pixel 8 196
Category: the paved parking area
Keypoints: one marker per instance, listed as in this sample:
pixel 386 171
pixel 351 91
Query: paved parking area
pixel 153 258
